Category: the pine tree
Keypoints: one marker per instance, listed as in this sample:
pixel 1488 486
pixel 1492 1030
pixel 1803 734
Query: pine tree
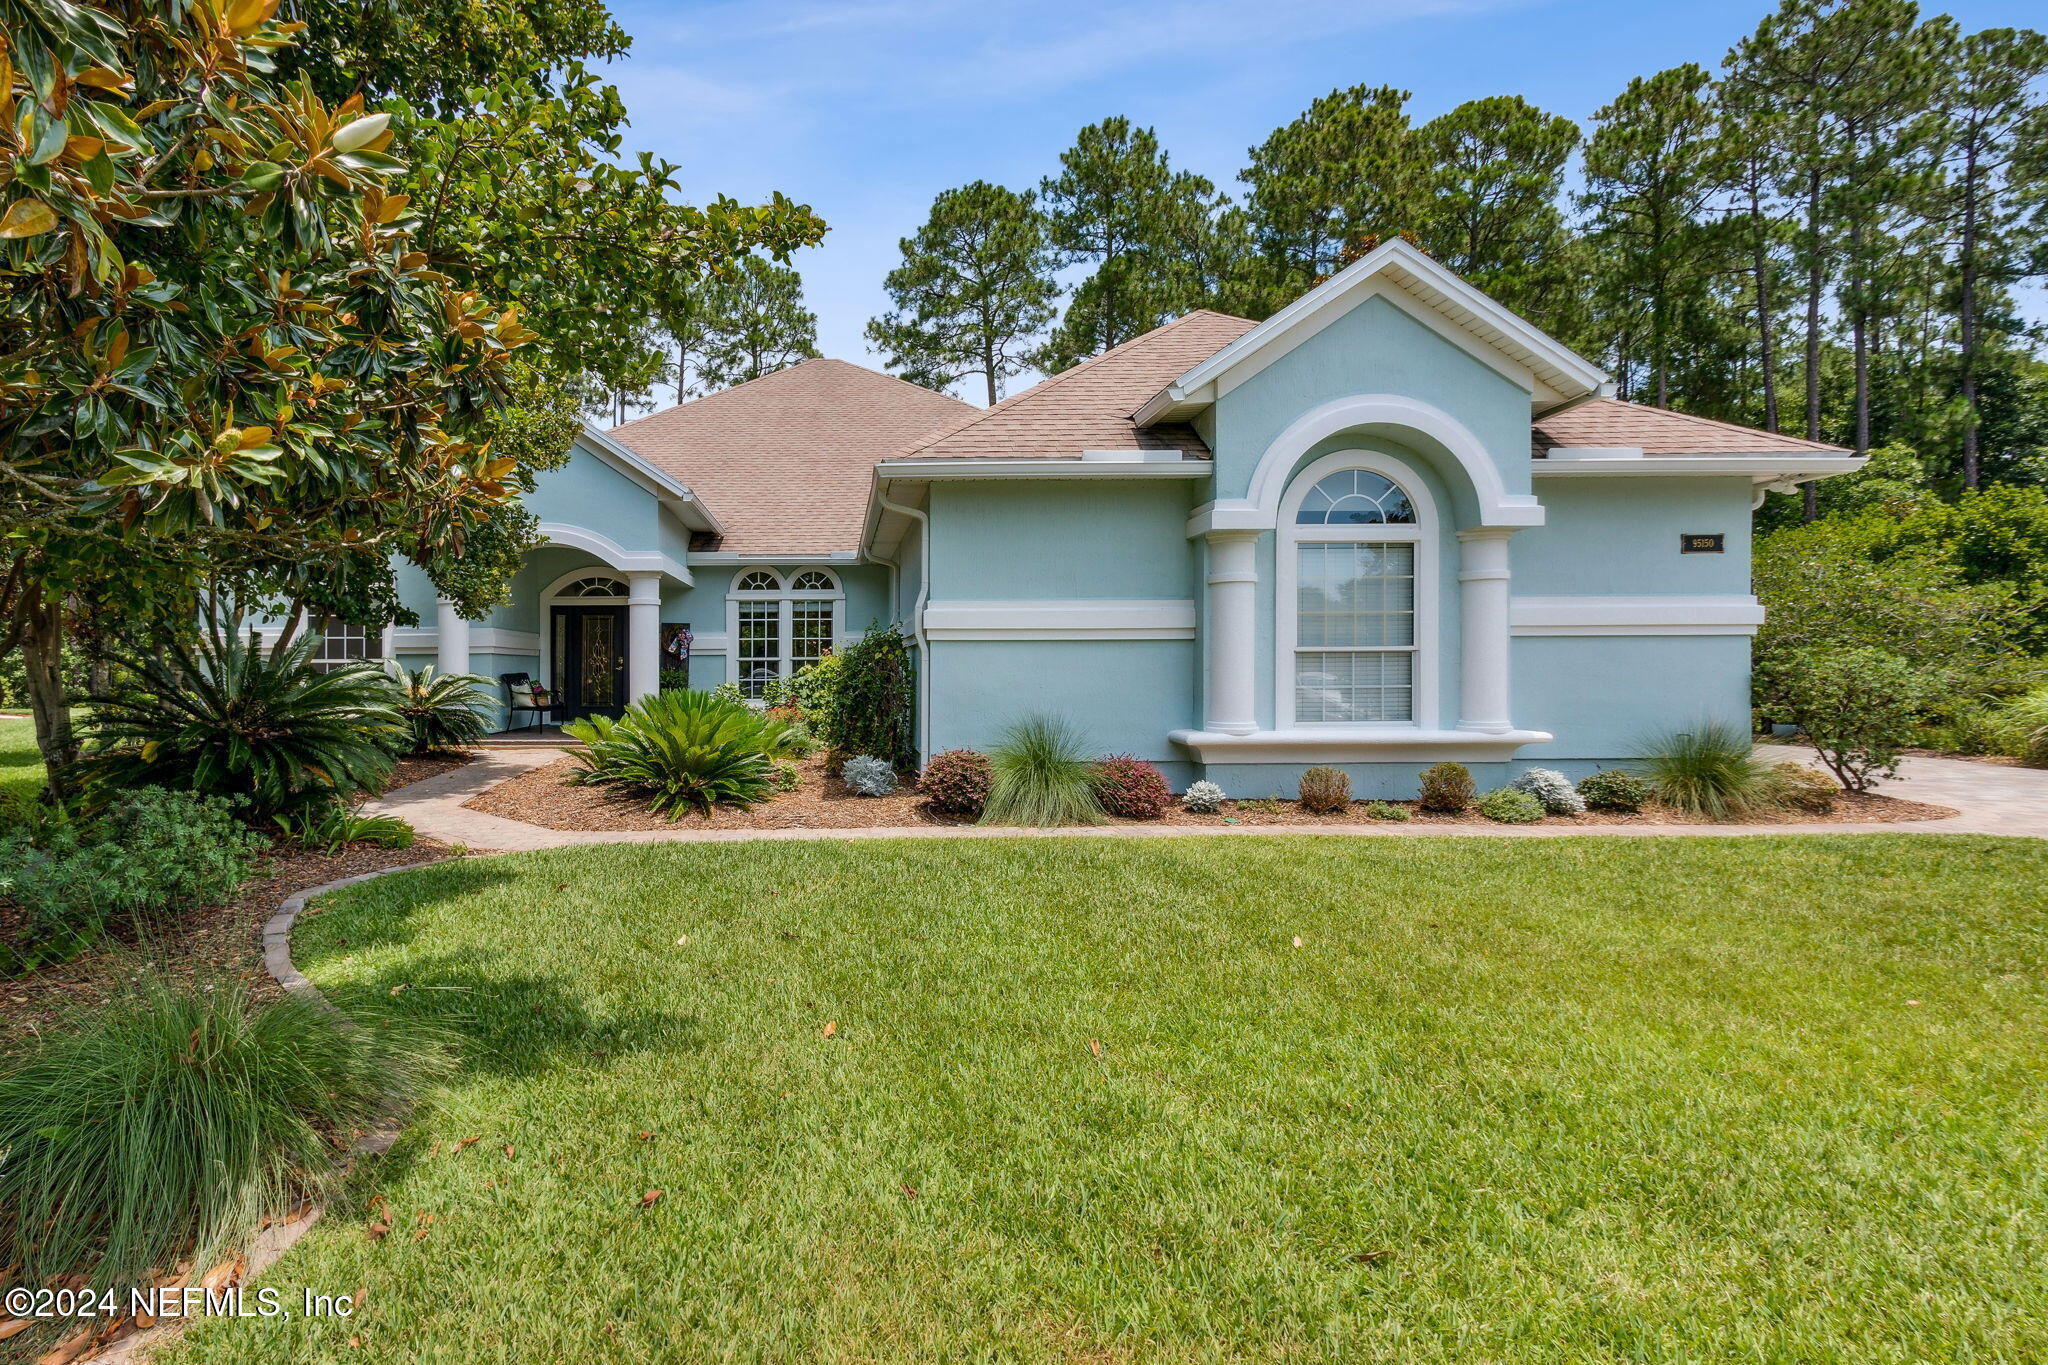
pixel 1345 171
pixel 974 291
pixel 1118 205
pixel 1495 175
pixel 753 323
pixel 1651 171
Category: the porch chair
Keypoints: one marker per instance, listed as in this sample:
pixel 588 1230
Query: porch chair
pixel 519 697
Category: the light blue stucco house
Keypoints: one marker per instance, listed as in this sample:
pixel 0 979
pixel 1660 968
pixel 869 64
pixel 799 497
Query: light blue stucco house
pixel 1392 524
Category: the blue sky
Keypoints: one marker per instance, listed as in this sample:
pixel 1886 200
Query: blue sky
pixel 865 109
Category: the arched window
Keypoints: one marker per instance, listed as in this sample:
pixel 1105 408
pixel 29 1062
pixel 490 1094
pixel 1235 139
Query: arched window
pixel 779 624
pixel 1357 593
pixel 596 585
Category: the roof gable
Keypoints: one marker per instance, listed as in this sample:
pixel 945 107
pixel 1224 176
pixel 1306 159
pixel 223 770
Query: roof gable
pixel 1424 289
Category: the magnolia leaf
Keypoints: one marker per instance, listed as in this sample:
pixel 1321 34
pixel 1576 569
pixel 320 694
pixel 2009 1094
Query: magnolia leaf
pixel 27 218
pixel 360 133
pixel 262 176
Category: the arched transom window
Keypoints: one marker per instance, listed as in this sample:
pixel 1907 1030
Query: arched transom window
pixel 780 622
pixel 596 585
pixel 1353 575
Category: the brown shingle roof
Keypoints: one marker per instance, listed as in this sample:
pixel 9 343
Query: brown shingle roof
pixel 1089 407
pixel 1660 431
pixel 784 461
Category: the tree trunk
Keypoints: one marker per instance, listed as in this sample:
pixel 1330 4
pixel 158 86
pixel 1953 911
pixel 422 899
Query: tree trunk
pixel 1966 319
pixel 1809 500
pixel 42 655
pixel 1766 342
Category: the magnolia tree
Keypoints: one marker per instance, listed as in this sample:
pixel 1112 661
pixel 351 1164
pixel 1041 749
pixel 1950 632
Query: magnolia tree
pixel 220 353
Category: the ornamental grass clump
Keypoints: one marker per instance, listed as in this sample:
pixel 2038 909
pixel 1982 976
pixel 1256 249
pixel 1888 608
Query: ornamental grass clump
pixel 1553 789
pixel 166 1125
pixel 1039 776
pixel 1130 788
pixel 1511 806
pixel 1447 789
pixel 684 751
pixel 1611 789
pixel 956 782
pixel 1805 789
pixel 1324 791
pixel 1711 770
pixel 1202 798
pixel 2029 716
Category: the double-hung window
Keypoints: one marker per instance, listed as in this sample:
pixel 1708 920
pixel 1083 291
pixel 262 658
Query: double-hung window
pixel 780 624
pixel 342 643
pixel 1354 543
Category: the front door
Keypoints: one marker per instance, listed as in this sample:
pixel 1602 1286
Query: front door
pixel 590 660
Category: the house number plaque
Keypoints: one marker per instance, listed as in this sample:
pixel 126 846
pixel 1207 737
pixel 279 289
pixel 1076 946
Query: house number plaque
pixel 1702 543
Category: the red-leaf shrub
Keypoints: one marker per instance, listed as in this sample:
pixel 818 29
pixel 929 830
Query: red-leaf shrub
pixel 956 782
pixel 1130 788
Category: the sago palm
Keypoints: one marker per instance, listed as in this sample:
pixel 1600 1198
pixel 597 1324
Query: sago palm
pixel 444 710
pixel 686 750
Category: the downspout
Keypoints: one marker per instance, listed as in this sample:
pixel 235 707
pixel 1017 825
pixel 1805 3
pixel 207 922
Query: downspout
pixel 924 592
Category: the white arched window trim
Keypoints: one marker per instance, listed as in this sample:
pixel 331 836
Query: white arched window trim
pixel 1424 534
pixel 780 607
pixel 564 592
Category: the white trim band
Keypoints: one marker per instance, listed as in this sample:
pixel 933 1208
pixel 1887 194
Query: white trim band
pixel 1670 615
pixel 482 640
pixel 1119 618
pixel 1329 744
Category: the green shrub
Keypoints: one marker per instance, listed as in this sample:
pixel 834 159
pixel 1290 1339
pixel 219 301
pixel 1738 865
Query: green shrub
pixel 1324 791
pixel 442 710
pixel 871 702
pixel 812 691
pixel 150 852
pixel 1613 789
pixel 785 776
pixel 221 717
pixel 1447 789
pixel 1801 788
pixel 686 751
pixel 1711 770
pixel 1038 775
pixel 1511 806
pixel 1130 788
pixel 866 775
pixel 1973 729
pixel 956 782
pixel 333 828
pixel 1387 810
pixel 164 1126
pixel 1858 707
pixel 2028 716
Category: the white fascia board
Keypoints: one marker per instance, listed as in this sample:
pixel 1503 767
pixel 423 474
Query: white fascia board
pixel 1125 618
pixel 1675 614
pixel 1341 744
pixel 688 507
pixel 1561 368
pixel 482 640
pixel 1060 467
pixel 1761 468
pixel 798 558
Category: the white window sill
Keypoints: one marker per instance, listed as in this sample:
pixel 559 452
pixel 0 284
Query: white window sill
pixel 1386 744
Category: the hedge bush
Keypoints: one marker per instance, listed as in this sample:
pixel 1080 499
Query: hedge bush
pixel 1324 791
pixel 1510 806
pixel 1615 790
pixel 1130 788
pixel 956 782
pixel 1553 789
pixel 1447 789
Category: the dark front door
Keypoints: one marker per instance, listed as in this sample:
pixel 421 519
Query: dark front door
pixel 590 660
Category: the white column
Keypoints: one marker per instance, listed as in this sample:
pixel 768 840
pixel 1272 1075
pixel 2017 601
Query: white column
pixel 451 635
pixel 1232 635
pixel 1483 695
pixel 643 634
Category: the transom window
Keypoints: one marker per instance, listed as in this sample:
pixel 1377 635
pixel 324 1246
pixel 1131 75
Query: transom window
pixel 1355 497
pixel 780 624
pixel 597 585
pixel 1352 642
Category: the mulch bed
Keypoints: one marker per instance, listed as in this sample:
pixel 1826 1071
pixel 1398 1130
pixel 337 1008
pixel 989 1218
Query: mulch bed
pixel 545 797
pixel 214 943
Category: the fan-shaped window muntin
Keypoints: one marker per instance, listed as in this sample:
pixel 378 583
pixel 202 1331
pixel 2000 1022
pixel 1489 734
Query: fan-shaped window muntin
pixel 781 622
pixel 1355 497
pixel 596 585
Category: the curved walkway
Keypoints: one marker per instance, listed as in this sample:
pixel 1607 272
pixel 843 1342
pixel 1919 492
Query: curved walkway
pixel 1992 799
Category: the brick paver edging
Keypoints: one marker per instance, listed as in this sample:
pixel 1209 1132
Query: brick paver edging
pixel 275 1240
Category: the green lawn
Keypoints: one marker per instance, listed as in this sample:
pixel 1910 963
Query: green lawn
pixel 21 767
pixel 1578 1100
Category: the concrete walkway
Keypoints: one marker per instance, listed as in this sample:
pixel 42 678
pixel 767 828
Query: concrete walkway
pixel 1992 800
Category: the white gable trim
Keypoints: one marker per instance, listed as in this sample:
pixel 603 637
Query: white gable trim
pixel 670 491
pixel 1478 324
pixel 611 552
